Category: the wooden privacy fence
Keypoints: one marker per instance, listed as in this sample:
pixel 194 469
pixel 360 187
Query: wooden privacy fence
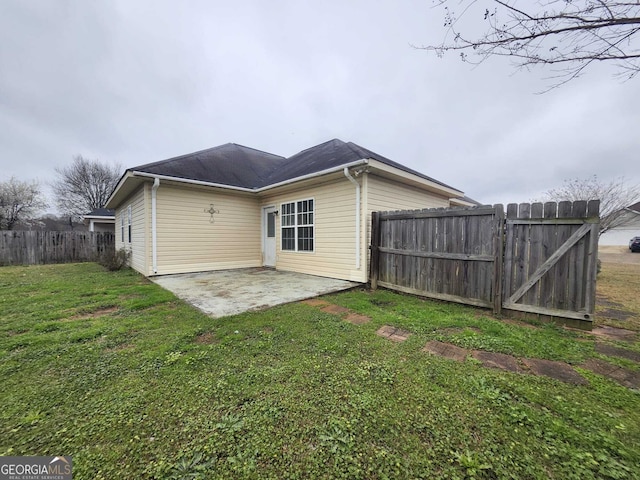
pixel 540 259
pixel 31 247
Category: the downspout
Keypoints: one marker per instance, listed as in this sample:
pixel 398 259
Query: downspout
pixel 154 237
pixel 353 180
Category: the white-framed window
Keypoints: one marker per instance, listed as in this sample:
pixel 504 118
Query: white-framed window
pixel 129 223
pixel 122 227
pixel 297 225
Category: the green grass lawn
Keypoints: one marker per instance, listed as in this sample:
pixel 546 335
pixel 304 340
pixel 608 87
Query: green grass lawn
pixel 133 383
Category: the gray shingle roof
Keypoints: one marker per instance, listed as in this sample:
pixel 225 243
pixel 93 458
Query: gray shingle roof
pixel 228 164
pixel 101 212
pixel 240 166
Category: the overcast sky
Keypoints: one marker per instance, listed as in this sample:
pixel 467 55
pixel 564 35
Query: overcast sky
pixel 132 82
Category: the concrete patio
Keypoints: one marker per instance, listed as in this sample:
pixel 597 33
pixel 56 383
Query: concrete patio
pixel 229 292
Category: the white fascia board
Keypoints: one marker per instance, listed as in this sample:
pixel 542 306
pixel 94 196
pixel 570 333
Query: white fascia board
pixel 448 191
pixel 125 176
pixel 193 182
pixel 105 218
pixel 461 202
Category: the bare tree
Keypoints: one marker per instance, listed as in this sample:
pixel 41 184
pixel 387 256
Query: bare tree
pixel 615 196
pixel 569 34
pixel 19 202
pixel 84 186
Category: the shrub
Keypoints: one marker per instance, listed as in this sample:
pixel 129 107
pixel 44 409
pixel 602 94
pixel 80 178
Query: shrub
pixel 113 260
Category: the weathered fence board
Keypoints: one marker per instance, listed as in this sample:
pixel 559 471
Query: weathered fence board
pixel 445 254
pixel 540 259
pixel 33 247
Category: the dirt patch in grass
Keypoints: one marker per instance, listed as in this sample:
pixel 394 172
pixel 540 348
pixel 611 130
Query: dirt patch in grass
pixel 206 338
pixel 335 310
pixel 357 319
pixel 382 303
pixel 120 348
pixel 316 302
pixel 12 333
pixel 101 312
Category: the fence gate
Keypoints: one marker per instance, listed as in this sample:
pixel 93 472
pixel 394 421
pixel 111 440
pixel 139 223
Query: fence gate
pixel 450 254
pixel 541 259
pixel 550 261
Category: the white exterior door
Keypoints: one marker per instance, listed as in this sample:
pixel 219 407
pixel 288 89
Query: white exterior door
pixel 269 236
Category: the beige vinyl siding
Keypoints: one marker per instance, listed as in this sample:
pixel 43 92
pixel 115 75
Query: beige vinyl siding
pixel 383 194
pixel 189 242
pixel 140 230
pixel 334 231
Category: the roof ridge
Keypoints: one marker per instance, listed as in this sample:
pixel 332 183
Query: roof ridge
pixel 254 149
pixel 316 146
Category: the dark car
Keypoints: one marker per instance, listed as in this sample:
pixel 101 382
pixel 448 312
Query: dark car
pixel 634 244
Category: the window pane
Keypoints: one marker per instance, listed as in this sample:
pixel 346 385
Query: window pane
pixel 288 239
pixel 271 225
pixel 288 214
pixel 305 239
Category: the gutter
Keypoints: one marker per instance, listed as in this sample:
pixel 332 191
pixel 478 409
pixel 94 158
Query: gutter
pixel 344 166
pixel 631 210
pixel 154 230
pixel 187 180
pixel 353 180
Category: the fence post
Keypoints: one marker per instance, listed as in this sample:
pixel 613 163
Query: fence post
pixel 498 253
pixel 375 249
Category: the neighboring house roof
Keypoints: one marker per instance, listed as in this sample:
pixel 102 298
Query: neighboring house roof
pixel 248 169
pixel 101 213
pixel 635 207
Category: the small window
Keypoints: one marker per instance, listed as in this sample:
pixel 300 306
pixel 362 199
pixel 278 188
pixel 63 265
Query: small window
pixel 122 227
pixel 129 222
pixel 297 224
pixel 271 224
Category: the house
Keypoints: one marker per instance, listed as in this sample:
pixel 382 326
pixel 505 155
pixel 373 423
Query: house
pixel 101 220
pixel 232 206
pixel 628 227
